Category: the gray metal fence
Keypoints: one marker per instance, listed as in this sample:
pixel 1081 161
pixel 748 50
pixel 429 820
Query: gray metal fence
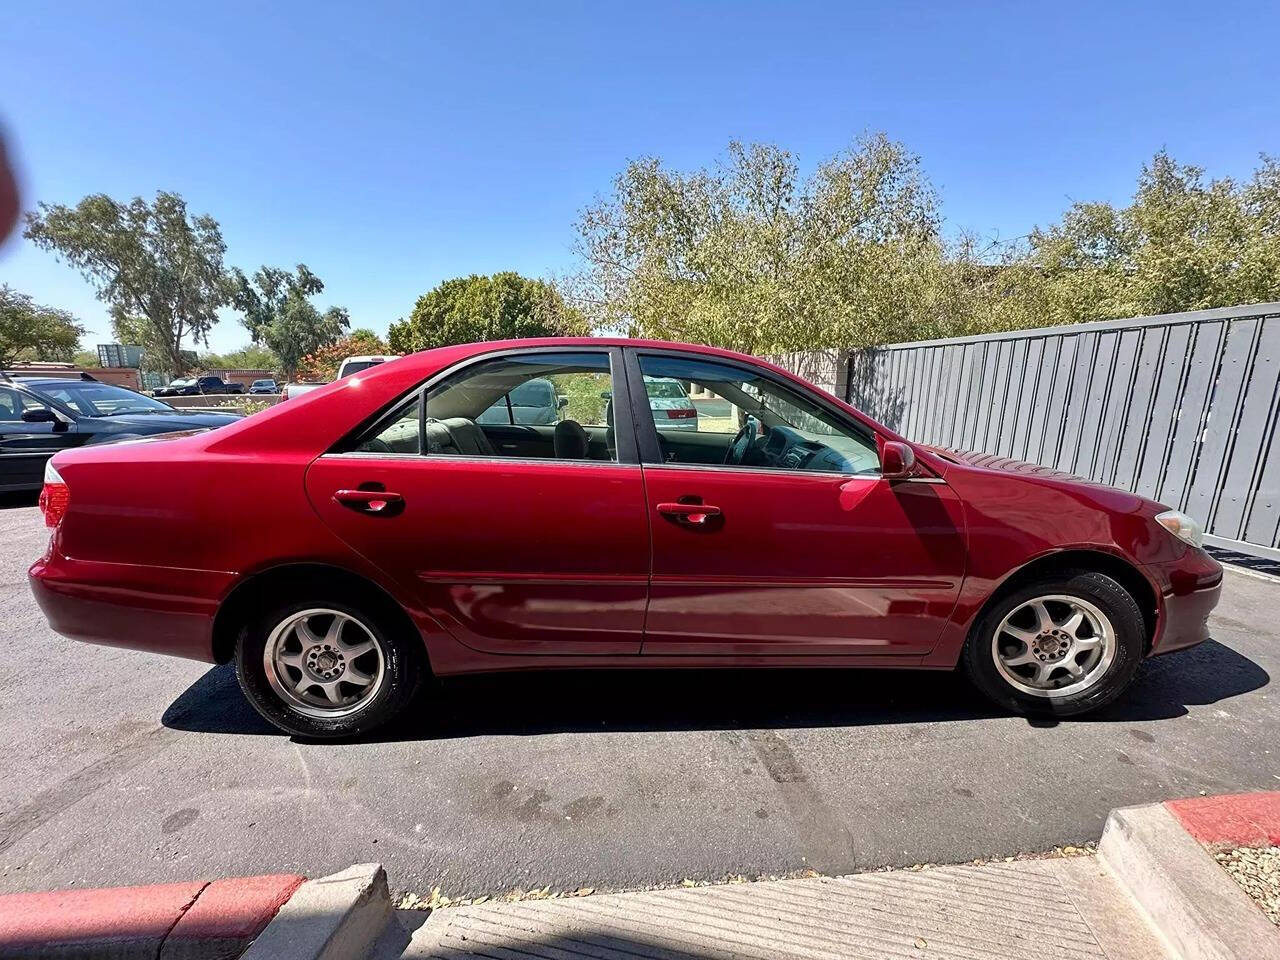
pixel 1180 408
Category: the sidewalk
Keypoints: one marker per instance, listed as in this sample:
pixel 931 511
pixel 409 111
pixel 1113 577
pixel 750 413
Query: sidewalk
pixel 1026 910
pixel 1153 891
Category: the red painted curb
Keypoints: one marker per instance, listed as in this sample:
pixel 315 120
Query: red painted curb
pixel 176 921
pixel 132 920
pixel 227 916
pixel 1238 820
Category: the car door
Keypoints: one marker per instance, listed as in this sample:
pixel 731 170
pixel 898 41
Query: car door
pixel 25 446
pixel 796 546
pixel 536 549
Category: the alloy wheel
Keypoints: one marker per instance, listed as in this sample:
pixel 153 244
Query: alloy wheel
pixel 324 663
pixel 1054 646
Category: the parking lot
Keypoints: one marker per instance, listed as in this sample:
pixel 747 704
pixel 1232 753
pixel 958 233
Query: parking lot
pixel 124 767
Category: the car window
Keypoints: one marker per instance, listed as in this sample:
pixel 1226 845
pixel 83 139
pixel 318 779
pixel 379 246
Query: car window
pixel 397 433
pixel 10 405
pixel 665 389
pixel 95 399
pixel 564 400
pixel 731 416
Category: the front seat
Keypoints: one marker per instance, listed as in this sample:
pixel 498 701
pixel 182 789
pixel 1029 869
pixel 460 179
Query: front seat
pixel 570 441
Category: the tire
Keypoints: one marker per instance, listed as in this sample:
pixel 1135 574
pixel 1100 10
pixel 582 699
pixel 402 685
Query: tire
pixel 1026 663
pixel 367 644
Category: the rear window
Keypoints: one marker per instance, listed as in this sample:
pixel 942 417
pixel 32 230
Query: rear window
pixel 664 389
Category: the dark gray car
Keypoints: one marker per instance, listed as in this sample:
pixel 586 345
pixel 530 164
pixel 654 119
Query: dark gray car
pixel 41 415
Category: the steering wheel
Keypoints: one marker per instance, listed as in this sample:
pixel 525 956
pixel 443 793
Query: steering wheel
pixel 742 441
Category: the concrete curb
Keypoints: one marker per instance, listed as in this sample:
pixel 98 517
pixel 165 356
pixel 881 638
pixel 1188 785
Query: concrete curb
pixel 338 917
pixel 1196 906
pixel 175 921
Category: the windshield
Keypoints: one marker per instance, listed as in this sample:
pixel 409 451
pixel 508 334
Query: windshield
pixel 101 399
pixel 183 382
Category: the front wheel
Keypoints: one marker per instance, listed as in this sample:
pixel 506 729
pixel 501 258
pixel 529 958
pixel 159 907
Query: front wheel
pixel 325 669
pixel 1061 646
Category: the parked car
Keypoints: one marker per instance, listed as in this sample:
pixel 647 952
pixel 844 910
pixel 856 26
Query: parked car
pixel 671 406
pixel 41 415
pixel 264 386
pixel 534 401
pixel 194 386
pixel 384 533
pixel 348 366
pixel 291 391
pixel 355 364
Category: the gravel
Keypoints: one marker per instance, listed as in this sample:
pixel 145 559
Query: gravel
pixel 1257 870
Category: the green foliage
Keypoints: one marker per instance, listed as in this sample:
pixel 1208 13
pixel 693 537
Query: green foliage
pixel 158 269
pixel 751 256
pixel 86 358
pixel 29 331
pixel 1184 243
pixel 252 357
pixel 501 307
pixel 323 363
pixel 279 314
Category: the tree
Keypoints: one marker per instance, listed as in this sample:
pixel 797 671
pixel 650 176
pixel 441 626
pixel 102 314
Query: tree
pixel 501 307
pixel 252 357
pixel 1184 243
pixel 750 255
pixel 29 331
pixel 159 269
pixel 323 363
pixel 279 314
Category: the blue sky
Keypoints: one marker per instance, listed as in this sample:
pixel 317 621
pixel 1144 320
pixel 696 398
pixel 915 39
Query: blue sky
pixel 390 146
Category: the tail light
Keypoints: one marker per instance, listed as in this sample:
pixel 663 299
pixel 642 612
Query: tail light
pixel 681 414
pixel 54 497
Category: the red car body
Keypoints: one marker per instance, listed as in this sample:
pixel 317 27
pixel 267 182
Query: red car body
pixel 513 564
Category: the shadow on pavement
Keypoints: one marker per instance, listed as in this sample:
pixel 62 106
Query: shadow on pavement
pixel 26 498
pixel 638 700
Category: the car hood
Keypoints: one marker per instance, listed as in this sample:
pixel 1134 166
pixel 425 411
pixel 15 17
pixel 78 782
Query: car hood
pixel 989 461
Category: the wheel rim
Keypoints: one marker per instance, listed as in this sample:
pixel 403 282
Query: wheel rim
pixel 324 663
pixel 1054 646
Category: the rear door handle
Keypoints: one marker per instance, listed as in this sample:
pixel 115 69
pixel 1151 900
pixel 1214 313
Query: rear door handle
pixel 692 513
pixel 376 502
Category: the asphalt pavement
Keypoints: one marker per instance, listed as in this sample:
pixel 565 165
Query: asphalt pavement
pixel 120 767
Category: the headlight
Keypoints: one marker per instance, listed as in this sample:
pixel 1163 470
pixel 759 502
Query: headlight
pixel 1182 527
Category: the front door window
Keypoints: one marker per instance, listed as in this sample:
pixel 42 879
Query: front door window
pixel 711 413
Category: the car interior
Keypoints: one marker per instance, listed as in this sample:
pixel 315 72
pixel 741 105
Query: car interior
pixel 746 420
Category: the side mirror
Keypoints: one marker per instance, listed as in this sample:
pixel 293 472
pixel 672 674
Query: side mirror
pixel 562 402
pixel 39 415
pixel 897 461
pixel 606 394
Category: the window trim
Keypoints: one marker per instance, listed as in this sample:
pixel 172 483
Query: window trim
pixel 647 430
pixel 626 448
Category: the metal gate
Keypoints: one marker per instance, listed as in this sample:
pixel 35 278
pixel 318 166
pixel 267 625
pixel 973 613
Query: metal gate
pixel 1181 408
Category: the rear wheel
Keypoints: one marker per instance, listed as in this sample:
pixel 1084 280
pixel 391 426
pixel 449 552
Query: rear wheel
pixel 319 668
pixel 1061 646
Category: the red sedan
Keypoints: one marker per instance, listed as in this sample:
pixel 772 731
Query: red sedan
pixel 340 546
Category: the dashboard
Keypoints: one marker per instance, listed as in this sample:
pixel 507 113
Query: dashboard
pixel 789 449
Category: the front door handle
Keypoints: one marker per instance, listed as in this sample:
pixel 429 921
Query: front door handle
pixel 375 502
pixel 696 514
